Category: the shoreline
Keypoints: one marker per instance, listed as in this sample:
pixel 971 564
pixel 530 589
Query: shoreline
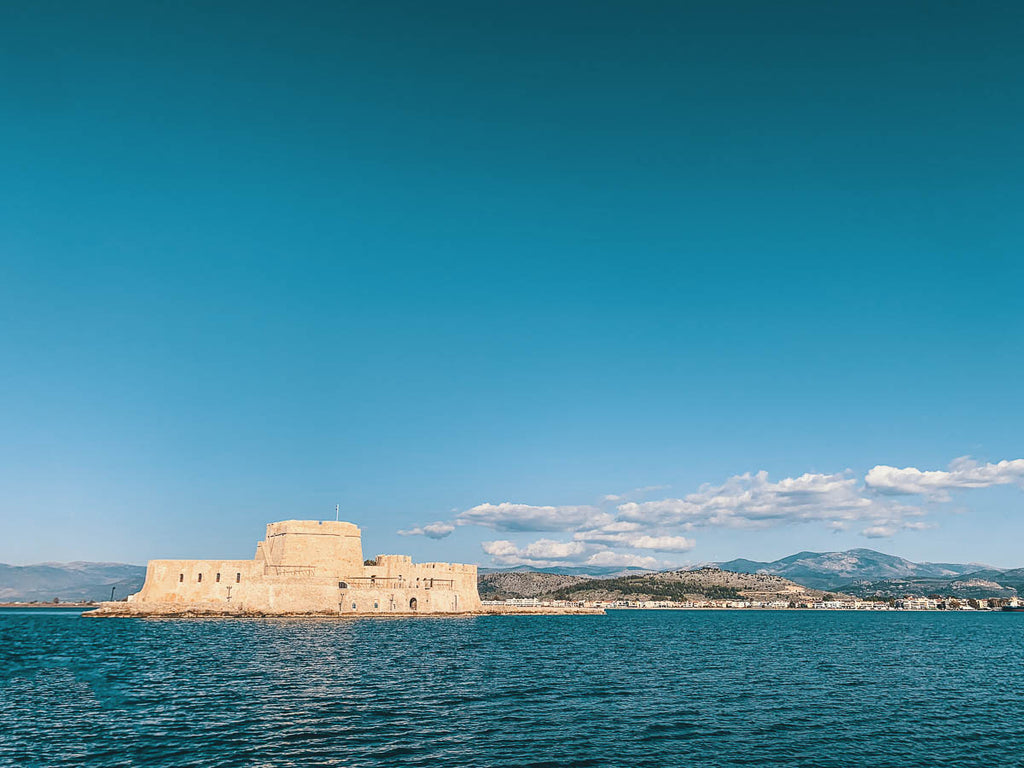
pixel 49 606
pixel 122 611
pixel 95 610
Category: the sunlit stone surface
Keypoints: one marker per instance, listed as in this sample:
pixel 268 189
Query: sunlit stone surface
pixel 303 567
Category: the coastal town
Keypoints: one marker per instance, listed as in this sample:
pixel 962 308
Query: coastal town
pixel 903 604
pixel 713 588
pixel 850 604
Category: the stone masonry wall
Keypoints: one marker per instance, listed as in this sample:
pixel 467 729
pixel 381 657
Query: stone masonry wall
pixel 307 567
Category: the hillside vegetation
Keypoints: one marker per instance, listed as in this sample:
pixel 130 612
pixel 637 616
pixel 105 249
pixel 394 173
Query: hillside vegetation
pixel 644 588
pixel 513 584
pixel 677 586
pixel 977 585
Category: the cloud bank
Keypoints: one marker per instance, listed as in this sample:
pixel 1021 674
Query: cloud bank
pixel 547 552
pixel 524 517
pixel 431 531
pixel 624 530
pixel 963 473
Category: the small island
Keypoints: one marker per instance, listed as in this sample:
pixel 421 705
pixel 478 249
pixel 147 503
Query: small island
pixel 312 568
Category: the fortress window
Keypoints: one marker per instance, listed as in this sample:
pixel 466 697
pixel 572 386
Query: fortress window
pixel 353 606
pixel 376 605
pixel 218 577
pixel 181 577
pixel 342 585
pixel 200 577
pixel 238 577
pixel 373 581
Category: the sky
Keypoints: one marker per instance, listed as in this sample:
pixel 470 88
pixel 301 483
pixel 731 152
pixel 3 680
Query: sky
pixel 545 283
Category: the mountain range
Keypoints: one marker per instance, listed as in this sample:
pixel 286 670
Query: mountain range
pixel 867 573
pixel 862 572
pixel 832 570
pixel 588 571
pixel 69 582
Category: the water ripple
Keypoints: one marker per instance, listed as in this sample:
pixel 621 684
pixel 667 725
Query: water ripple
pixel 631 689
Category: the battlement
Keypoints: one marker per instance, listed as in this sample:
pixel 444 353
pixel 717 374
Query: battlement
pixel 454 567
pixel 393 560
pixel 313 527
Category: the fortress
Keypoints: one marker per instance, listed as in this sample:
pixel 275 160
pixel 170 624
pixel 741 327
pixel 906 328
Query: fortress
pixel 303 567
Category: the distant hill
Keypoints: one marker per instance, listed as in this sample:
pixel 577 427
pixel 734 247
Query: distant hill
pixel 1012 578
pixel 860 572
pixel 69 582
pixel 502 586
pixel 587 571
pixel 833 570
pixel 977 584
pixel 679 585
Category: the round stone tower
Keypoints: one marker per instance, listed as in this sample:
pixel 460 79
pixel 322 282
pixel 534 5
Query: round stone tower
pixel 330 546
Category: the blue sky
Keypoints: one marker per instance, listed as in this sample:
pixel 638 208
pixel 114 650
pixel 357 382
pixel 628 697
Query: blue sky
pixel 259 259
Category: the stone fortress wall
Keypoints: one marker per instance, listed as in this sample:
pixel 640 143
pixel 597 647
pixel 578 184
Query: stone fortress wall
pixel 305 567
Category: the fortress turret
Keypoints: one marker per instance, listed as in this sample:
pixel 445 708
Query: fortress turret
pixel 330 546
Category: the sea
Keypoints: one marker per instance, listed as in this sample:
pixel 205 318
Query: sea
pixel 632 688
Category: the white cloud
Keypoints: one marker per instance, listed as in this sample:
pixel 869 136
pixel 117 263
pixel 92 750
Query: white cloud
pixel 500 549
pixel 542 552
pixel 884 531
pixel 548 552
pixel 753 501
pixel 963 473
pixel 662 543
pixel 432 531
pixel 621 524
pixel 509 516
pixel 748 501
pixel 607 557
pixel 917 526
pixel 636 493
pixel 636 541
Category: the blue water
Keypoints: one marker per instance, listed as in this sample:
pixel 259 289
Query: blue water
pixel 634 688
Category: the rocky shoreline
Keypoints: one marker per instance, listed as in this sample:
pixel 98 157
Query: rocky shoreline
pixel 128 610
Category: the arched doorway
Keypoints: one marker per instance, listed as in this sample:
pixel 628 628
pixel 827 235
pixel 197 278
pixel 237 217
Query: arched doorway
pixel 412 604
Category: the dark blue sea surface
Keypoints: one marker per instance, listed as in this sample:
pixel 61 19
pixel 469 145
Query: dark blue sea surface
pixel 634 688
